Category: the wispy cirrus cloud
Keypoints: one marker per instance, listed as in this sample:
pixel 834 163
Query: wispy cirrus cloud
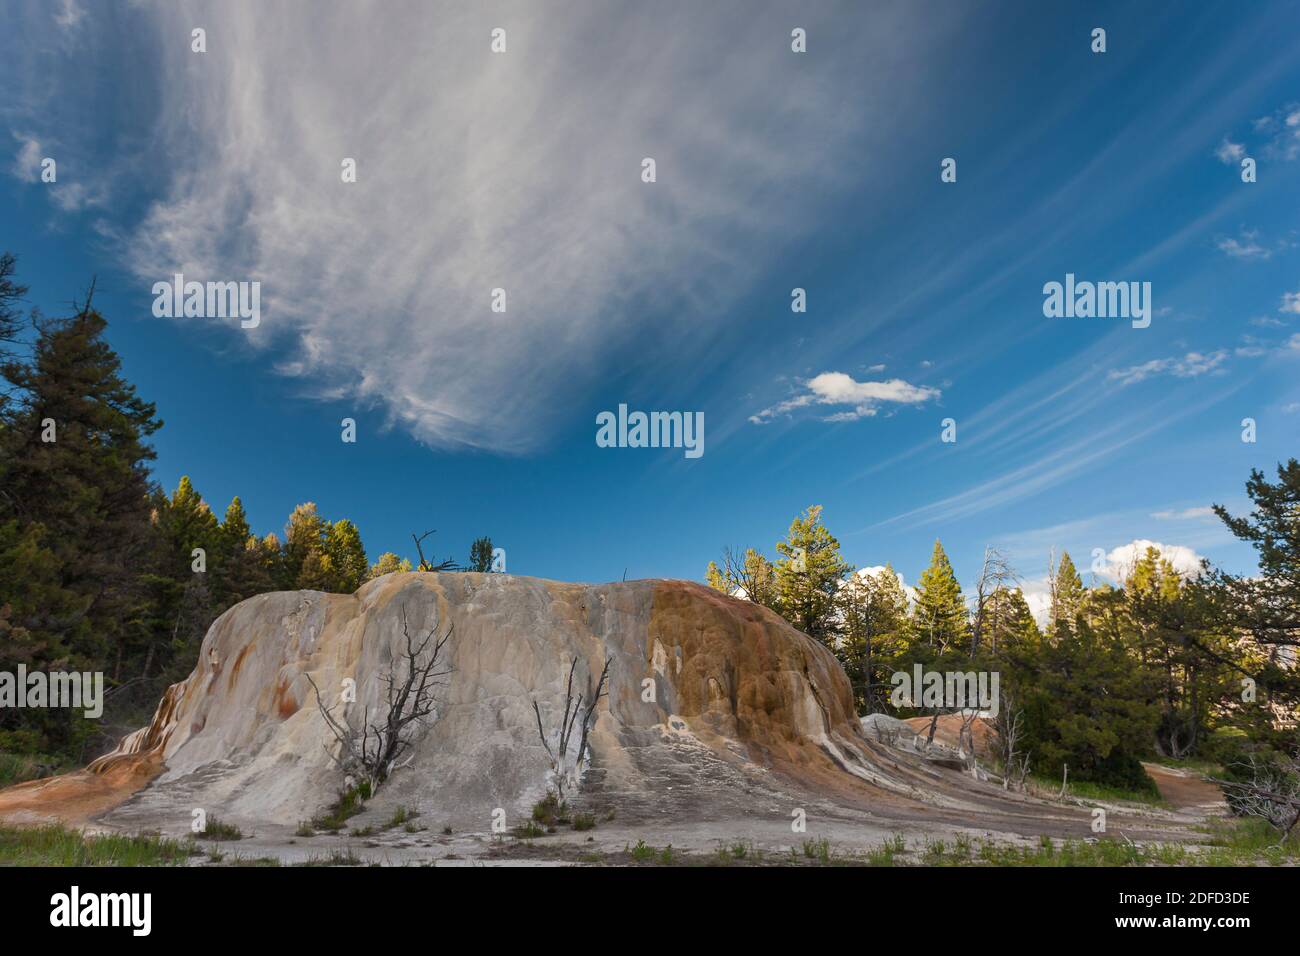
pixel 1191 365
pixel 1183 514
pixel 477 171
pixel 855 399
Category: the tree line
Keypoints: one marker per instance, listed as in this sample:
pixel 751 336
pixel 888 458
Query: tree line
pixel 1159 665
pixel 101 569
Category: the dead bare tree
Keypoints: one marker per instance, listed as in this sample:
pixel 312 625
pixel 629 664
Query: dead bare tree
pixel 374 750
pixel 966 738
pixel 995 574
pixel 1272 793
pixel 426 565
pixel 1008 729
pixel 563 770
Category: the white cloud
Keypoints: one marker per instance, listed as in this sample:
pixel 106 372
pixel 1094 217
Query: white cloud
pixel 27 162
pixel 69 15
pixel 1191 365
pixel 837 388
pixel 1245 246
pixel 1290 303
pixel 1184 514
pixel 876 570
pixel 1038 595
pixel 478 171
pixel 1230 152
pixel 1119 562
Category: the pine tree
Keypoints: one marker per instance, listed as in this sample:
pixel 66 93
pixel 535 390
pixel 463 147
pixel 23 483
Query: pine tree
pixel 304 535
pixel 11 293
pixel 1267 606
pixel 75 462
pixel 347 557
pixel 939 616
pixel 808 577
pixel 1067 595
pixel 874 609
pixel 1010 621
pixel 480 555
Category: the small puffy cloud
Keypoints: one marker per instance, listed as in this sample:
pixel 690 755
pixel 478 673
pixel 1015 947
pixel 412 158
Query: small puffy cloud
pixel 1230 152
pixel 1244 246
pixel 1290 303
pixel 1191 365
pixel 861 399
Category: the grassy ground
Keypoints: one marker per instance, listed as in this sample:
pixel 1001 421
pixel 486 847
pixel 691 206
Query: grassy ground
pixel 1207 768
pixel 19 768
pixel 1231 842
pixel 57 846
pixel 1086 790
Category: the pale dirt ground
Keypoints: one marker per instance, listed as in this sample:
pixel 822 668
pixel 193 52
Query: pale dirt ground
pixel 697 825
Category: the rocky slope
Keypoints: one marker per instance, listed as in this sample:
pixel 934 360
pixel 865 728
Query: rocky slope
pixel 750 722
pixel 735 691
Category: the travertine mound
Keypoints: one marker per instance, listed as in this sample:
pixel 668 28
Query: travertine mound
pixel 743 704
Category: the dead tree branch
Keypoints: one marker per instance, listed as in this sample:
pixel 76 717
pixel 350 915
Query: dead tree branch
pixel 447 564
pixel 373 750
pixel 565 767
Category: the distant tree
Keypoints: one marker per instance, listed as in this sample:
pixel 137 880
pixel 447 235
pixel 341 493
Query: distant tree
pixel 75 530
pixel 74 461
pixel 1266 607
pixel 347 557
pixel 1085 706
pixel 939 615
pixel 389 563
pixel 480 555
pixel 11 294
pixel 1008 621
pixel 242 568
pixel 751 577
pixel 808 577
pixel 1067 595
pixel 304 538
pixel 874 614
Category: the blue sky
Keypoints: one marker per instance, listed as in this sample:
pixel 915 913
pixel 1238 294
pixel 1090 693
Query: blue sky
pixel 775 170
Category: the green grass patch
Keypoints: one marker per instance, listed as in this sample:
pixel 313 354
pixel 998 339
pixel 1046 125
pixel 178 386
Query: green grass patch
pixel 349 804
pixel 528 830
pixel 1087 790
pixel 221 830
pixel 401 817
pixel 819 850
pixel 642 852
pixel 551 811
pixel 59 846
pixel 336 858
